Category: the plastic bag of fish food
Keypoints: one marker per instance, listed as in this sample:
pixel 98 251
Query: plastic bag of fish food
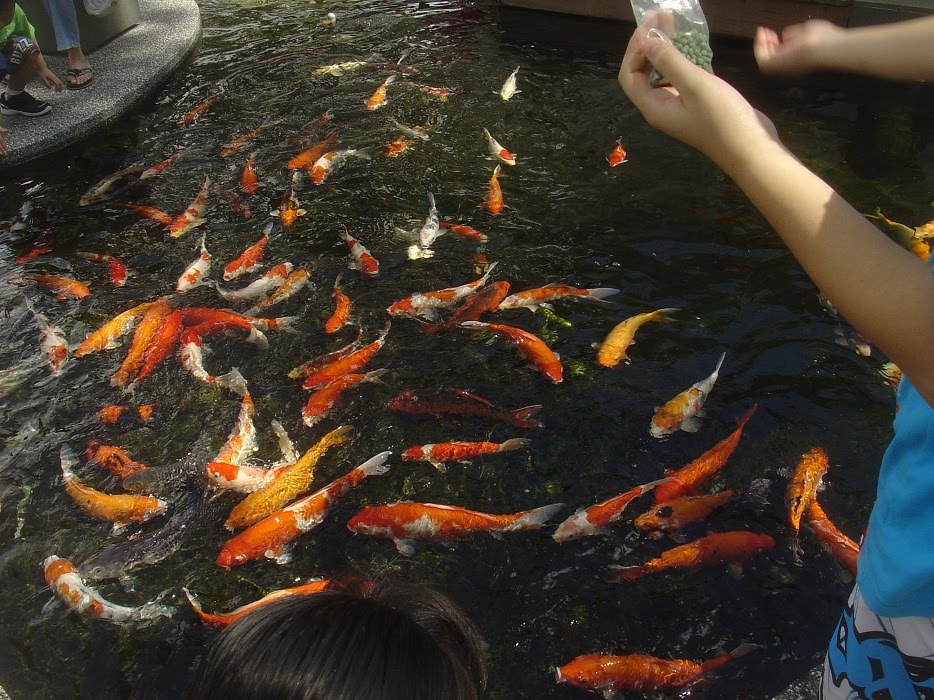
pixel 682 22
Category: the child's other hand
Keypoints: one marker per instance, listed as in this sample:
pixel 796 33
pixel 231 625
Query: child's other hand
pixel 796 51
pixel 698 108
pixel 3 147
pixel 50 80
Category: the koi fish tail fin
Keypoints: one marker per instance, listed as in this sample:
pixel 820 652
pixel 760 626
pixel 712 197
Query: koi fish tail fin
pixel 533 519
pixel 522 417
pixel 234 381
pixel 68 460
pixel 256 336
pixel 664 315
pixel 716 370
pixel 741 423
pixel 374 375
pixel 284 324
pixel 601 293
pixel 741 650
pixel 152 611
pixel 515 444
pixel 375 466
pixel 486 275
pixel 618 574
pixel 195 604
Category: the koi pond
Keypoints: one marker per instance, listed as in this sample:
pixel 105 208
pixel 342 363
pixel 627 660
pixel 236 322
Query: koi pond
pixel 665 228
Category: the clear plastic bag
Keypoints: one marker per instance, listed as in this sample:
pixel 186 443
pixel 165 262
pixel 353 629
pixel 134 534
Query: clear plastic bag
pixel 683 22
pixel 99 8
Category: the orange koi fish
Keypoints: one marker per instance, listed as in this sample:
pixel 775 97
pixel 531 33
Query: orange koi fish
pixel 720 548
pixel 119 509
pixel 274 277
pixel 638 672
pixel 840 547
pixel 52 343
pixel 681 412
pixel 247 261
pixel 238 143
pixel 112 458
pixel 270 536
pixel 292 285
pixel 485 300
pixel 590 521
pixel 195 113
pixel 41 249
pixel 290 483
pixel 688 479
pixel 617 155
pixel 345 365
pixel 617 342
pixel 105 337
pixel 160 346
pixel 193 216
pixel 308 368
pixel 115 267
pixel 147 212
pixel 442 93
pixel 211 321
pixel 679 512
pixel 378 98
pixel 467 232
pixel 802 488
pixel 442 452
pixel 113 414
pixel 306 159
pixel 249 183
pixel 906 236
pixel 494 194
pixel 226 619
pixel 362 259
pixel 237 203
pixel 544 358
pixel 462 403
pixel 322 167
pixel 288 210
pixel 309 130
pixel 63 287
pixel 159 167
pixel 152 320
pixel 194 274
pixel 427 304
pixel 497 151
pixel 398 147
pixel 63 578
pixel 341 309
pixel 407 521
pixel 533 298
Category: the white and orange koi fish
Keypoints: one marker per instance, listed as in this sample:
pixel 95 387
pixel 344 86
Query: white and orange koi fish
pixel 533 298
pixel 378 98
pixel 427 304
pixel 288 210
pixel 247 261
pixel 52 343
pixel 498 151
pixel 246 479
pixel 193 216
pixel 272 279
pixel 194 275
pixel 682 412
pixel 292 285
pixel 592 520
pixel 362 259
pixel 241 443
pixel 323 166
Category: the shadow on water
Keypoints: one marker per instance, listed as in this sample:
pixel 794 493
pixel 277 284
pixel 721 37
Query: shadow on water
pixel 665 228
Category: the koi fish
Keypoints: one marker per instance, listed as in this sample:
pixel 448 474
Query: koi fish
pixel 147 212
pixel 720 548
pixel 212 321
pixel 289 484
pixel 617 342
pixel 840 547
pixel 427 304
pixel 247 261
pixel 274 277
pixel 159 167
pixel 497 150
pixel 415 133
pixel 378 98
pixel 63 578
pixel 341 312
pixel 682 412
pixel 438 454
pixel 442 93
pixel 617 155
pixel 407 521
pixel 431 229
pixel 194 274
pixel 531 346
pixel 63 287
pixel 308 130
pixel 288 210
pixel 311 366
pixel 345 365
pixel 160 346
pixel 494 194
pixel 638 672
pixel 590 521
pixel 241 442
pixel 105 337
pixel 397 147
pixel 33 253
pixel 226 619
pixel 113 414
pixel 467 232
pixel 509 87
pixel 803 485
pixel 190 355
pixel 306 159
pixel 193 216
pixel 338 69
pixel 237 203
pixel 292 285
pixel 102 190
pixel 906 236
pixel 118 509
pixel 679 512
pixel 487 299
pixel 238 143
pixel 321 402
pixel 245 479
pixel 688 479
pixel 112 458
pixel 322 167
pixel 362 259
pixel 195 113
pixel 116 268
pixel 458 402
pixel 152 320
pixel 533 298
pixel 52 343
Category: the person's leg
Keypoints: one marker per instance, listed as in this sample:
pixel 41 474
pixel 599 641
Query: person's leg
pixel 22 63
pixel 68 38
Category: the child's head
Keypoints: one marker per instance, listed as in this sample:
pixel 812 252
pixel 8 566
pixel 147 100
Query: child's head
pixel 391 641
pixel 7 8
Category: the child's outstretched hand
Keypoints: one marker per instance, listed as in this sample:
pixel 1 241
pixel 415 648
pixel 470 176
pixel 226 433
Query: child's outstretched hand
pixel 3 147
pixel 50 80
pixel 797 50
pixel 698 108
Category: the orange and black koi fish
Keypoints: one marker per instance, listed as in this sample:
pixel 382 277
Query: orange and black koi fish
pixel 458 402
pixel 676 513
pixel 398 147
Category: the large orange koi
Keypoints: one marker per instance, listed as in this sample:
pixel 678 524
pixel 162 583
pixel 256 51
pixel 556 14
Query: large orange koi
pixel 347 364
pixel 544 358
pixel 803 485
pixel 617 342
pixel 226 619
pixel 161 345
pixel 680 413
pixel 438 454
pixel 591 521
pixel 494 194
pixel 63 287
pixel 152 320
pixel 306 159
pixel 342 308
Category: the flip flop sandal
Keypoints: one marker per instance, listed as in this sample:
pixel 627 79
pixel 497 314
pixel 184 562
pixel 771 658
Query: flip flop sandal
pixel 76 73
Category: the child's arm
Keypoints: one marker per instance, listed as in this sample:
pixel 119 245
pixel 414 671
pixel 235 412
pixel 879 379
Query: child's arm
pixel 49 78
pixel 898 51
pixel 3 147
pixel 882 289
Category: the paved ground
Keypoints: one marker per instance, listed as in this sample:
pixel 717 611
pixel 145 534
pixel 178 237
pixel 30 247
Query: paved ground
pixel 127 71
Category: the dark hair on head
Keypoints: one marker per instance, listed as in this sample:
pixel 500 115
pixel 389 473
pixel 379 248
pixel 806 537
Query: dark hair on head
pixel 6 5
pixel 392 640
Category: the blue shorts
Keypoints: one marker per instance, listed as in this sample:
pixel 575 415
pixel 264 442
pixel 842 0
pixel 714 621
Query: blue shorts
pixel 12 54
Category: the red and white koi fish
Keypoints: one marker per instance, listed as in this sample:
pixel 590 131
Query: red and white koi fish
pixel 241 443
pixel 427 304
pixel 105 337
pixel 362 259
pixel 342 307
pixel 193 216
pixel 237 202
pixel 246 479
pixel 195 113
pixel 159 167
pixel 321 402
pixel 731 548
pixel 592 520
pixel 322 167
pixel 441 93
pixel 497 150
pixel 249 182
pixel 486 300
pixel 406 521
pixel 288 210
pixel 114 413
pixel 464 231
pixel 311 366
pixel 639 673
pixel 617 155
pixel 840 547
pixel 378 98
pixel 212 321
pixel 272 279
pixel 116 268
pixel 682 412
pixel 307 158
pixel 617 342
pixel 438 454
pixel 295 282
pixel 152 213
pixel 494 194
pixel 63 578
pixel 101 190
pixel 238 143
pixel 247 261
pixel 531 346
pixel 195 273
pixel 112 458
pixel 677 513
pixel 226 619
pixel 52 343
pixel 804 483
pixel 509 87
pixel 533 298
pixel 462 403
pixel 63 287
pixel 152 321
pixel 269 536
pixel 190 355
pixel 345 365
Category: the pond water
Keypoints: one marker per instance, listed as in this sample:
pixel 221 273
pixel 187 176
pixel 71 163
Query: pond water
pixel 666 228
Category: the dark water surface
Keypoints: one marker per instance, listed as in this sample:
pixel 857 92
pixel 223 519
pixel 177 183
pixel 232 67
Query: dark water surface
pixel 666 228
